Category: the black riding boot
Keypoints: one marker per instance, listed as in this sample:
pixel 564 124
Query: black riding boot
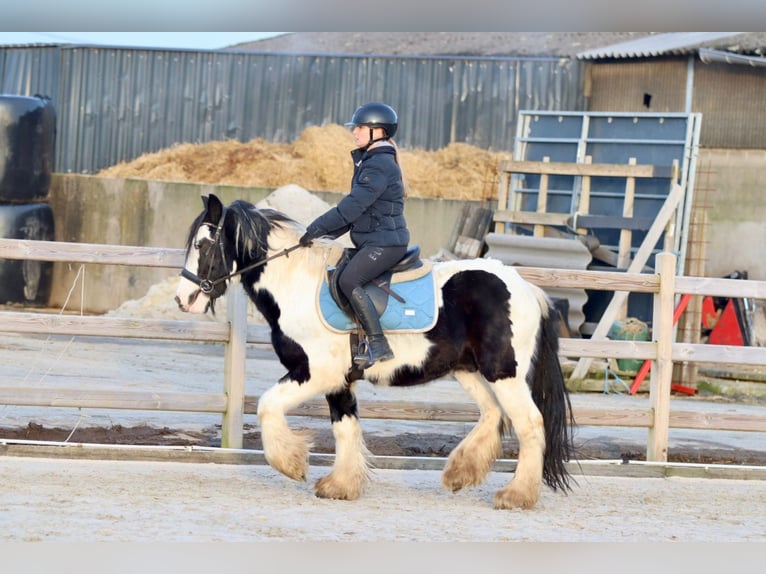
pixel 377 348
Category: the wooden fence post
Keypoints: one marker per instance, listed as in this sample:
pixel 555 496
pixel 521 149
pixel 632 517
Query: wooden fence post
pixel 234 367
pixel 662 366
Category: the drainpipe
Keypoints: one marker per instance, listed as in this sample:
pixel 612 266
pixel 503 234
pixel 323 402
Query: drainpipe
pixel 689 84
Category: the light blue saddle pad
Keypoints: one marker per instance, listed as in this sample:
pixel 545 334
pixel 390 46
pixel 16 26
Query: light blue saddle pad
pixel 418 313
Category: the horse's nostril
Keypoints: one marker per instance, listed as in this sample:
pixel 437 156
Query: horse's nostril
pixel 178 302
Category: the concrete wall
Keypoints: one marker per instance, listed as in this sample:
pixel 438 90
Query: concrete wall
pixel 731 188
pixel 90 209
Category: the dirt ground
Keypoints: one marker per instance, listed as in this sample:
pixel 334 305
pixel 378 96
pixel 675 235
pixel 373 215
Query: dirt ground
pixel 124 499
pixel 128 501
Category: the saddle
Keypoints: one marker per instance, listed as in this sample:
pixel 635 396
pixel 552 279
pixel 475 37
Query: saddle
pixel 404 296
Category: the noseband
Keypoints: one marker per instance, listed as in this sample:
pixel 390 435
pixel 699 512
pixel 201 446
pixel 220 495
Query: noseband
pixel 207 285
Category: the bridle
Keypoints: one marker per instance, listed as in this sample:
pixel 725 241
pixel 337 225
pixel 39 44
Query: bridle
pixel 207 285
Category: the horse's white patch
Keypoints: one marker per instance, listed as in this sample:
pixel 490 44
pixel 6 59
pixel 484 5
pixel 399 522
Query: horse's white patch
pixel 188 294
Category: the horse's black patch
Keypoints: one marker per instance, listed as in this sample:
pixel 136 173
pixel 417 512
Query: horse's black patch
pixel 342 403
pixel 472 333
pixel 291 354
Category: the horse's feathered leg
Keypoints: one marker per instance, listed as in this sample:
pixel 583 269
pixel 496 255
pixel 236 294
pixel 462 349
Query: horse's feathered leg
pixel 350 470
pixel 472 459
pixel 524 490
pixel 538 405
pixel 285 450
pixel 515 397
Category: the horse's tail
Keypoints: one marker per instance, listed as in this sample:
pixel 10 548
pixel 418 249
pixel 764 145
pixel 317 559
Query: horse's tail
pixel 551 396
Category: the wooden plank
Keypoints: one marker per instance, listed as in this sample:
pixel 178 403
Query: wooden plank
pixel 627 212
pixel 642 256
pixel 467 247
pixel 20 322
pixel 719 354
pixel 383 410
pixel 584 416
pixel 582 169
pixel 503 187
pixel 607 349
pixel 197 454
pixel 583 202
pixel 626 235
pixel 610 417
pixel 735 288
pixel 662 367
pixel 531 218
pixel 542 200
pixel 717 421
pixel 235 356
pixel 598 280
pixel 471 232
pixel 457 412
pixel 109 399
pixel 91 253
pixel 610 222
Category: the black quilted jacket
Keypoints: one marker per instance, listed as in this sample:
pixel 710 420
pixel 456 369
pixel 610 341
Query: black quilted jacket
pixel 374 209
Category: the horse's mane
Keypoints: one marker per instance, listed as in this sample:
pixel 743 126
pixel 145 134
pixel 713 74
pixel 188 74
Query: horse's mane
pixel 253 226
pixel 249 228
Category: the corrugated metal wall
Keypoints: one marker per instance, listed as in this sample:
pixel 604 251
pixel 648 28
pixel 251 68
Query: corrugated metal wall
pixel 115 104
pixel 731 100
pixel 729 96
pixel 620 86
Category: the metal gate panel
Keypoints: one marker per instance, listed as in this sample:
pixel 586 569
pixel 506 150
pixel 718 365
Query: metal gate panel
pixel 608 138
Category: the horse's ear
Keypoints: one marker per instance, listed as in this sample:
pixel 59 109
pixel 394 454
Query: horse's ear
pixel 204 201
pixel 214 207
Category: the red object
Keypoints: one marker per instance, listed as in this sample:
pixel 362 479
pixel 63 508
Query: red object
pixel 727 330
pixel 644 370
pixel 709 314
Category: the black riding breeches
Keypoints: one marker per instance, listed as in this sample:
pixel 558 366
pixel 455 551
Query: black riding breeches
pixel 367 264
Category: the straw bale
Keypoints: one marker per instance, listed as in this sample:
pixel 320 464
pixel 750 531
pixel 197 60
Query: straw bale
pixel 318 160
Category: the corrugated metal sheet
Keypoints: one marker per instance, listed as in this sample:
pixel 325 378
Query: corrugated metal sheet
pixel 730 99
pixel 115 104
pixel 647 86
pixel 672 43
pixel 707 56
pixel 29 71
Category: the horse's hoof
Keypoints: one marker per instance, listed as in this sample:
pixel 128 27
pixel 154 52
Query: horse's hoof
pixel 508 498
pixel 326 487
pixel 296 469
pixel 459 473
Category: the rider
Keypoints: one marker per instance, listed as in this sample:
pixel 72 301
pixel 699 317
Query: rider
pixel 374 213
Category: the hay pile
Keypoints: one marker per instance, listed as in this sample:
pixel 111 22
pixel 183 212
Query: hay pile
pixel 318 160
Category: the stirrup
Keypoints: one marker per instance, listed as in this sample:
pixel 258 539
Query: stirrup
pixel 366 358
pixel 363 356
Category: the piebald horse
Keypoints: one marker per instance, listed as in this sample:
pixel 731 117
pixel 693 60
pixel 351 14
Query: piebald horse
pixel 494 332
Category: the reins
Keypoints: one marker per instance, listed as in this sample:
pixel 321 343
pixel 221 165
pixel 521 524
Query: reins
pixel 207 285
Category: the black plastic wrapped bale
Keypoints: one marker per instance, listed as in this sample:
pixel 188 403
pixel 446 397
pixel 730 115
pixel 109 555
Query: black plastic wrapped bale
pixel 26 281
pixel 27 148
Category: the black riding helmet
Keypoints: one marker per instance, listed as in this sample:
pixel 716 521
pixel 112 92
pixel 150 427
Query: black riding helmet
pixel 376 115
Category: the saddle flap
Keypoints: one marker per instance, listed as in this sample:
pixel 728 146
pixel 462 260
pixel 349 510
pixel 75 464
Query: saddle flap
pixel 413 310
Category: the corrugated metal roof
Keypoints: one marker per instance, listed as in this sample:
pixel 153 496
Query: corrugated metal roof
pixel 707 55
pixel 671 43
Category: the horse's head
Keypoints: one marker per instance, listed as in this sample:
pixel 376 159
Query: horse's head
pixel 206 271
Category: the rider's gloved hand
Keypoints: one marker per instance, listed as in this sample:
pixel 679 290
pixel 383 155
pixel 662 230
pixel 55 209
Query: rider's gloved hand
pixel 306 239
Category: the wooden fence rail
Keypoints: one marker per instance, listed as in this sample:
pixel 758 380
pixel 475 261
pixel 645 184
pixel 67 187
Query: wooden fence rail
pixel 235 334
